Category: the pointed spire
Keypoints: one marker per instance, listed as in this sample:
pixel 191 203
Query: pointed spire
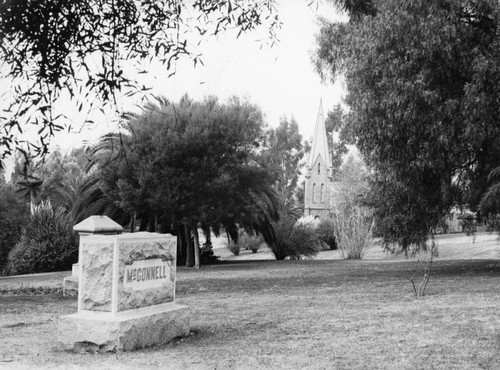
pixel 320 141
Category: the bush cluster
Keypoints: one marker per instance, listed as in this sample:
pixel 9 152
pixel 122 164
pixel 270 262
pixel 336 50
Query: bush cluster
pixel 13 214
pixel 352 230
pixel 10 231
pixel 492 222
pixel 326 233
pixel 250 242
pixel 294 241
pixel 207 256
pixel 234 248
pixel 47 243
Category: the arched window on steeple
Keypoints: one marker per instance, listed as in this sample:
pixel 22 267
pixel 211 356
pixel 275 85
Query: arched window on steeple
pixel 321 193
pixel 319 168
pixel 314 193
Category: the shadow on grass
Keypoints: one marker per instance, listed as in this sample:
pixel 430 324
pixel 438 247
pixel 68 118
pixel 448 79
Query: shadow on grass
pixel 258 275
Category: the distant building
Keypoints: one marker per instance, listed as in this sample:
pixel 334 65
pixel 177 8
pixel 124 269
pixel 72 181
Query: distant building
pixel 318 172
pixel 456 221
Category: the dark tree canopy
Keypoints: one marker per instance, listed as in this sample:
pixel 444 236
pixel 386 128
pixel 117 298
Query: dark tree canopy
pixel 84 49
pixel 423 92
pixel 192 163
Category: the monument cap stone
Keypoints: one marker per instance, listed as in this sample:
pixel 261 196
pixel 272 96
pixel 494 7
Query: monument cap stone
pixel 93 225
pixel 98 225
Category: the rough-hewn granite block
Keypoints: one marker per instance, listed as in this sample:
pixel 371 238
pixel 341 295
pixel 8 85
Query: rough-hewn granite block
pixel 146 271
pixel 96 275
pixel 126 331
pixel 70 286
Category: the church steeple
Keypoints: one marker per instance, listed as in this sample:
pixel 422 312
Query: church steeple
pixel 319 172
pixel 320 141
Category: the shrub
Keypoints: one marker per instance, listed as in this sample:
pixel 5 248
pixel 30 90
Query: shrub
pixel 13 214
pixel 251 242
pixel 352 230
pixel 325 232
pixel 47 243
pixel 207 256
pixel 492 222
pixel 293 241
pixel 234 248
pixel 353 222
pixel 10 231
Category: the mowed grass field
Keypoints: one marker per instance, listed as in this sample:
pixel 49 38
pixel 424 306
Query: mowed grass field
pixel 317 314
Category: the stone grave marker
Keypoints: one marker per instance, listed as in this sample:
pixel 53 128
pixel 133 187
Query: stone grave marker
pixel 126 294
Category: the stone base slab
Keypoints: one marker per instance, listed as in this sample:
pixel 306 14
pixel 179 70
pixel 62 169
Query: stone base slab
pixel 129 330
pixel 75 269
pixel 70 286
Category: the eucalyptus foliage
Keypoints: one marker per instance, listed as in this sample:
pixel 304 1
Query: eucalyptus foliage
pixel 338 146
pixel 92 49
pixel 423 86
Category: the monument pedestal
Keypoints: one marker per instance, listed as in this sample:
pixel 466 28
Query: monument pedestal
pixel 144 327
pixel 70 286
pixel 126 294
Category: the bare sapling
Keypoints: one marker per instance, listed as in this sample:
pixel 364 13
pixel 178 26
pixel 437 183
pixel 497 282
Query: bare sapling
pixel 424 264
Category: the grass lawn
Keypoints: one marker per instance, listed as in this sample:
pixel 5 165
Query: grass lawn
pixel 294 314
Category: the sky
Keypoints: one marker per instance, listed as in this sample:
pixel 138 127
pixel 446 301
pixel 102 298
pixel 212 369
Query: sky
pixel 279 79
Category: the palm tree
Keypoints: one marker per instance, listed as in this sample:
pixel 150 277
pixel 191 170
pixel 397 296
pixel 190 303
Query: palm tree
pixel 90 199
pixel 30 187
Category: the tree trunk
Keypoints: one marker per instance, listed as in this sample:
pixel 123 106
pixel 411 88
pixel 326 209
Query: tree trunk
pixel 151 225
pixel 133 220
pixel 144 224
pixel 181 245
pixel 32 202
pixel 232 231
pixel 206 233
pixel 189 246
pixel 196 248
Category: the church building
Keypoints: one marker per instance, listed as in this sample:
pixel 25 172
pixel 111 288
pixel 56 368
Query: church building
pixel 318 172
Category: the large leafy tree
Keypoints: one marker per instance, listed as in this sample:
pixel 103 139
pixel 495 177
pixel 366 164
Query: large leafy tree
pixel 191 164
pixel 422 79
pixel 84 50
pixel 334 123
pixel 283 153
